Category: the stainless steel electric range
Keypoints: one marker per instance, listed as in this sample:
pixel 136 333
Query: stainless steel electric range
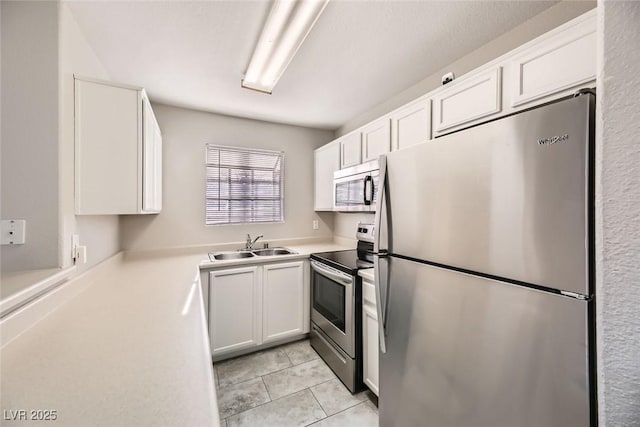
pixel 336 307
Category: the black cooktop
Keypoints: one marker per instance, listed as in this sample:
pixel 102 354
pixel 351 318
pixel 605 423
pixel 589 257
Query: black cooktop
pixel 346 261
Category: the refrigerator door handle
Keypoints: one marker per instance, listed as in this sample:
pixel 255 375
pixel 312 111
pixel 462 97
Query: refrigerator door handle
pixel 379 309
pixel 382 194
pixel 380 253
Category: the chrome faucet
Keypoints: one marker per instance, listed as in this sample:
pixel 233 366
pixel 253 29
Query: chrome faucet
pixel 249 244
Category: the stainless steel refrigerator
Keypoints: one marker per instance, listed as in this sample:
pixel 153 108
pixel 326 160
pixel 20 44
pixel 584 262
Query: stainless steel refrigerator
pixel 484 274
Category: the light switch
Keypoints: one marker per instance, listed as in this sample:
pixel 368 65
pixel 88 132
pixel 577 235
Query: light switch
pixel 13 231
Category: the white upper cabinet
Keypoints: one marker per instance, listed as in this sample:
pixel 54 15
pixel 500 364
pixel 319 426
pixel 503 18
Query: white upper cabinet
pixel 467 100
pixel 411 124
pixel 376 139
pixel 563 61
pixel 327 161
pixel 118 150
pixel 350 150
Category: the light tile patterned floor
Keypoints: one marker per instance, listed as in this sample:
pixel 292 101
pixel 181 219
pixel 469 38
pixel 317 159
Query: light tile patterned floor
pixel 288 386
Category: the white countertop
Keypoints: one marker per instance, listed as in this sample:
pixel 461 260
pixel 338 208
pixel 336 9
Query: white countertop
pixel 130 350
pixel 367 274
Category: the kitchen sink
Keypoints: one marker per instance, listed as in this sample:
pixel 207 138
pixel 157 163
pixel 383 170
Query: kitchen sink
pixel 220 256
pixel 273 251
pixel 242 254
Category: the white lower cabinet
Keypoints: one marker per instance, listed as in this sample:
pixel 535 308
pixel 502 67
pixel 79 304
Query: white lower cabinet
pixel 283 296
pixel 235 309
pixel 255 305
pixel 370 340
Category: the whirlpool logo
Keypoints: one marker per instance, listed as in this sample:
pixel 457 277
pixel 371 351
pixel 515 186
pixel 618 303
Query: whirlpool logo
pixel 553 139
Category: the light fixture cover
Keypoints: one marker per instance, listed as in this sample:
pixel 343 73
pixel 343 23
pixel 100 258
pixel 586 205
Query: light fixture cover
pixel 288 24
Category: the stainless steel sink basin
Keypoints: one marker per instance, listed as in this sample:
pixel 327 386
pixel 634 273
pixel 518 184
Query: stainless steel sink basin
pixel 273 251
pixel 219 256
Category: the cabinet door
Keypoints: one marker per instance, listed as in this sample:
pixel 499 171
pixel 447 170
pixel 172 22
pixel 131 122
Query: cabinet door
pixel 283 300
pixel 152 161
pixel 107 135
pixel 235 309
pixel 327 161
pixel 350 150
pixel 370 347
pixel 411 124
pixel 563 62
pixel 376 139
pixel 468 100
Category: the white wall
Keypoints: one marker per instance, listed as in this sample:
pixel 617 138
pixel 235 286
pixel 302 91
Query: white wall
pixel 618 213
pixel 181 222
pixel 29 131
pixel 99 233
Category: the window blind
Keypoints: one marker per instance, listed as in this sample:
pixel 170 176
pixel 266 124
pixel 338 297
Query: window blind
pixel 243 185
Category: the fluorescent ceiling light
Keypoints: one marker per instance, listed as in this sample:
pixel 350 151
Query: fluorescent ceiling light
pixel 288 24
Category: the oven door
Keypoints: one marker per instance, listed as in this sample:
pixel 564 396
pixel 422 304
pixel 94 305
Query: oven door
pixel 332 297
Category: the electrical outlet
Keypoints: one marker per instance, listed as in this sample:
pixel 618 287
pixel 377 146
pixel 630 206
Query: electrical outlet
pixel 316 224
pixel 13 231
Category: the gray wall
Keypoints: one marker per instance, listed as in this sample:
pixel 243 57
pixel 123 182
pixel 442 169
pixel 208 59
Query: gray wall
pixel 181 222
pixel 42 47
pixel 30 131
pixel 618 213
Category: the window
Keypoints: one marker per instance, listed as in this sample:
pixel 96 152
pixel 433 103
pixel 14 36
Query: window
pixel 243 185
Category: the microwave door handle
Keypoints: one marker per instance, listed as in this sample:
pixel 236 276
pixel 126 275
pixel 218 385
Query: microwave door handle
pixel 368 181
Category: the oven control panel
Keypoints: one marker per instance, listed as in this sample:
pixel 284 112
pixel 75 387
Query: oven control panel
pixel 365 232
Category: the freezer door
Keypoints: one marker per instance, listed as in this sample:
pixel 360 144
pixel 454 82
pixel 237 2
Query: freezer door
pixel 468 351
pixel 509 198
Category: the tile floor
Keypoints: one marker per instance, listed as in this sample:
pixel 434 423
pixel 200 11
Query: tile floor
pixel 288 386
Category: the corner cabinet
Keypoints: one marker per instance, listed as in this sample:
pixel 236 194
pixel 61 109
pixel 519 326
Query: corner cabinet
pixel 327 161
pixel 118 150
pixel 258 305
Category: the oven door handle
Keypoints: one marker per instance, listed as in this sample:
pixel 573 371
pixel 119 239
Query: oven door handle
pixel 338 277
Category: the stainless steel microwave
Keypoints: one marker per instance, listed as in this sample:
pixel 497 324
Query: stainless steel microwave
pixel 355 188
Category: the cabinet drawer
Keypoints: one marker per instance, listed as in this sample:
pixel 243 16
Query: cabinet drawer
pixel 564 62
pixel 468 100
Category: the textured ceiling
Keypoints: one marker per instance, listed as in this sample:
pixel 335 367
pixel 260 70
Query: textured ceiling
pixel 193 54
